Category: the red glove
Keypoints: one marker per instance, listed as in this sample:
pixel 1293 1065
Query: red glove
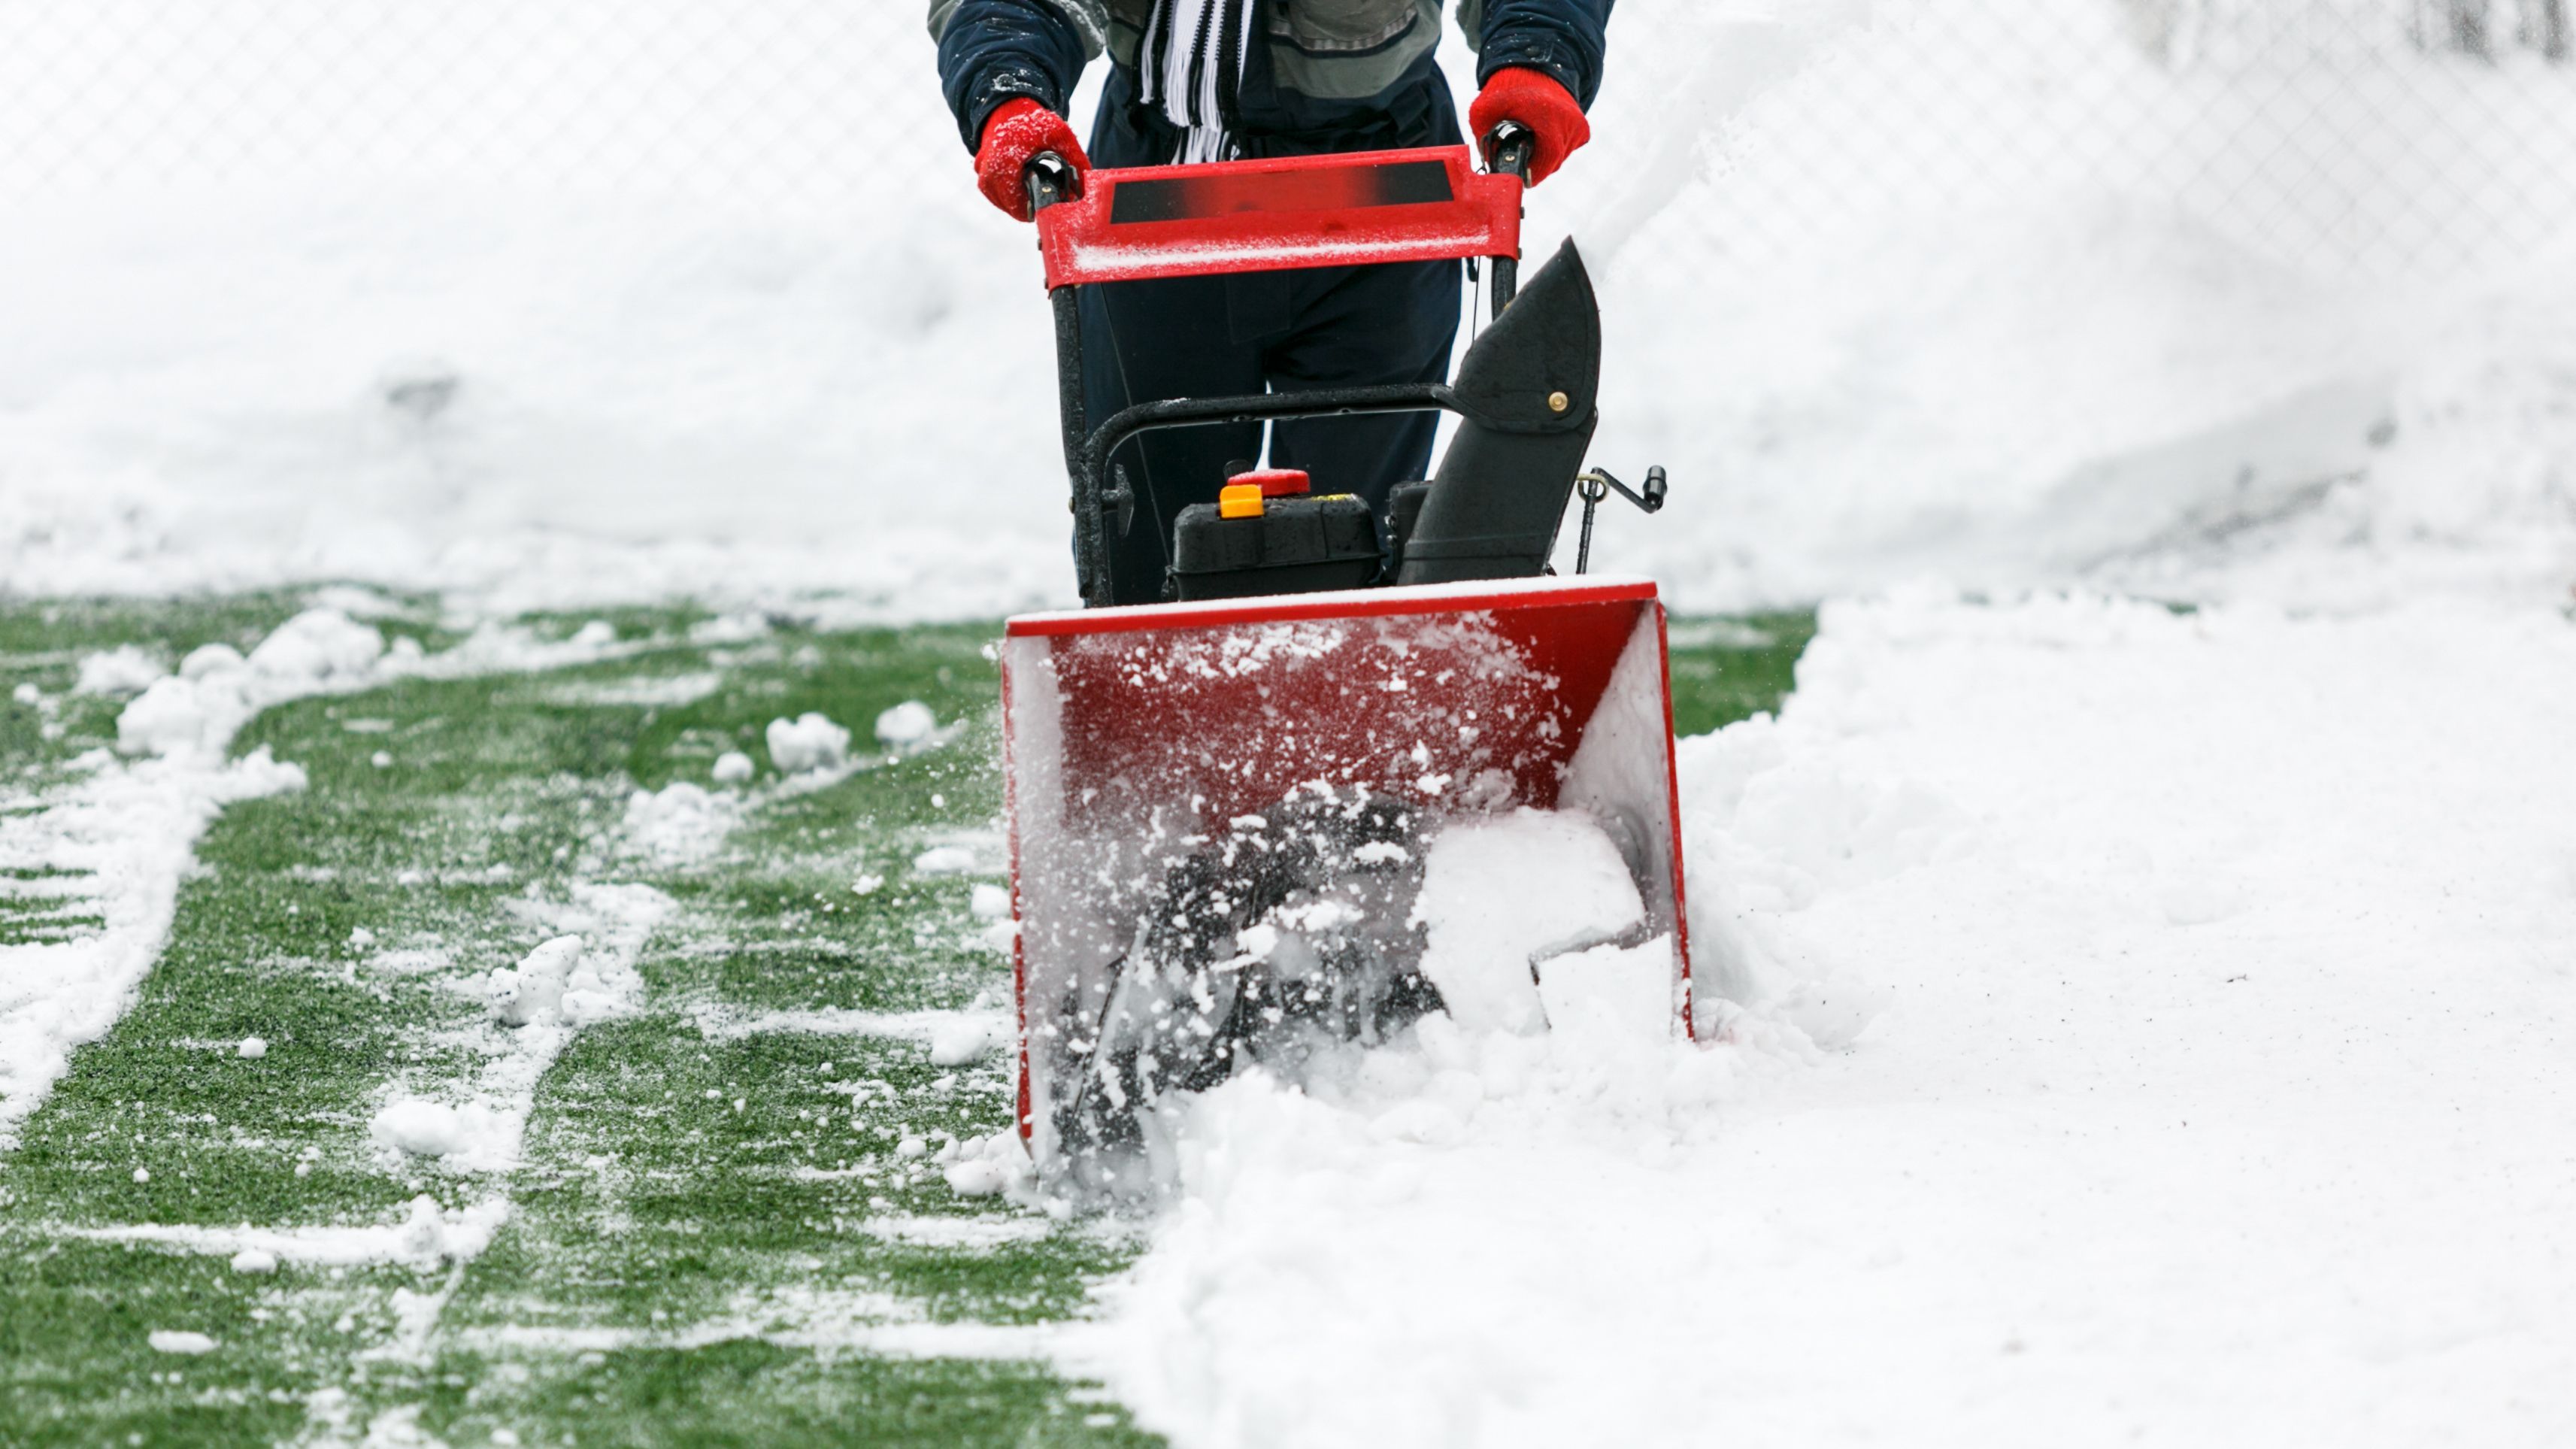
pixel 1542 106
pixel 1015 135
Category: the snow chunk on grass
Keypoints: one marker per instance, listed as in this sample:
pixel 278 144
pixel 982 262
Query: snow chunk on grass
pixel 124 670
pixel 175 1340
pixel 254 1260
pixel 733 767
pixel 961 1039
pixel 810 743
pixel 252 1048
pixel 535 990
pixel 908 726
pixel 944 860
pixel 421 1128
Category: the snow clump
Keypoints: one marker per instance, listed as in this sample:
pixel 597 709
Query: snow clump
pixel 988 1166
pixel 121 671
pixel 552 982
pixel 421 1128
pixel 252 1048
pixel 810 743
pixel 944 860
pixel 991 903
pixel 908 726
pixel 963 1038
pixel 175 1340
pixel 733 767
pixel 254 1260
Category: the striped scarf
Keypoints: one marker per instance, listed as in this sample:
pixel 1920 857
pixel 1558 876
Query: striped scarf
pixel 1192 67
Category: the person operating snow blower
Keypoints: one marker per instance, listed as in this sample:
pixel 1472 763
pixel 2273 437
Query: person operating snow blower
pixel 1218 80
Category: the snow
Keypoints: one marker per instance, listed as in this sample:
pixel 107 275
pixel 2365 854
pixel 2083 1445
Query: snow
pixel 907 726
pixel 534 990
pixel 2115 1022
pixel 810 742
pixel 1485 943
pixel 426 1129
pixel 2271 1166
pixel 530 400
pixel 180 1341
pixel 119 672
pixel 962 1039
pixel 945 860
pixel 681 823
pixel 424 1234
pixel 252 1048
pixel 123 831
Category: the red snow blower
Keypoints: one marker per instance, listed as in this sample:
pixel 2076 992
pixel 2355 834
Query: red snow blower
pixel 1221 806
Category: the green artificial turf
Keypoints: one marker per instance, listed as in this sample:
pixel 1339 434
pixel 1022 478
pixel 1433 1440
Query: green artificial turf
pixel 716 1234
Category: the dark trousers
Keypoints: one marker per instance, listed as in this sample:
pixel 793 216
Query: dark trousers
pixel 1251 333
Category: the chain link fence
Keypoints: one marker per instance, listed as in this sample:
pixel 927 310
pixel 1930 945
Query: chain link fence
pixel 2369 134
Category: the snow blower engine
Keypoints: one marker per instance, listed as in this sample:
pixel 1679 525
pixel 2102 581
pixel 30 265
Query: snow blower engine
pixel 1228 810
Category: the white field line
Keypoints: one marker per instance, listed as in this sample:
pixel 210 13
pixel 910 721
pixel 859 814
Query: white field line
pixel 717 1022
pixel 830 1319
pixel 426 1236
pixel 125 836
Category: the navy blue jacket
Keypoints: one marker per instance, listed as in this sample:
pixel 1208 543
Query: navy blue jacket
pixel 1335 75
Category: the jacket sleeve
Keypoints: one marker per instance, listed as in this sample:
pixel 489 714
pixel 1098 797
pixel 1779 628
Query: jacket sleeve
pixel 991 51
pixel 1568 39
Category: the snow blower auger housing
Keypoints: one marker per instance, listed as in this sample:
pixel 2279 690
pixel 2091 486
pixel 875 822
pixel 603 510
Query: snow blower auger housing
pixel 1224 808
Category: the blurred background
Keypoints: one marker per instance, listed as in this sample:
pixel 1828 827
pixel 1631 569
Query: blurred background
pixel 2196 297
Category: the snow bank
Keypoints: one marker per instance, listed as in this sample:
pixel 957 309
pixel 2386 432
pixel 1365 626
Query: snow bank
pixel 1951 369
pixel 2221 967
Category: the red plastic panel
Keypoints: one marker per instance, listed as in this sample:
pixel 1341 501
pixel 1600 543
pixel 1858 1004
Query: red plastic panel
pixel 1276 215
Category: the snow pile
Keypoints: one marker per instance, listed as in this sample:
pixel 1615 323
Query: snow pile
pixel 182 1341
pixel 809 743
pixel 217 691
pixel 2220 964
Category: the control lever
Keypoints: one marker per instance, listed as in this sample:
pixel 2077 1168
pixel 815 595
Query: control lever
pixel 1597 484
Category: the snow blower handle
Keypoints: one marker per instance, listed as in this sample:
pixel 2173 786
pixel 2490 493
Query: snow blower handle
pixel 1508 149
pixel 1049 179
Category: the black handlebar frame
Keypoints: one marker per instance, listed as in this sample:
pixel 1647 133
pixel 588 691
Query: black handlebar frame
pixel 1050 179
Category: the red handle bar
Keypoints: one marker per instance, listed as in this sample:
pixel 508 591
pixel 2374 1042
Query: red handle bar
pixel 1258 216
